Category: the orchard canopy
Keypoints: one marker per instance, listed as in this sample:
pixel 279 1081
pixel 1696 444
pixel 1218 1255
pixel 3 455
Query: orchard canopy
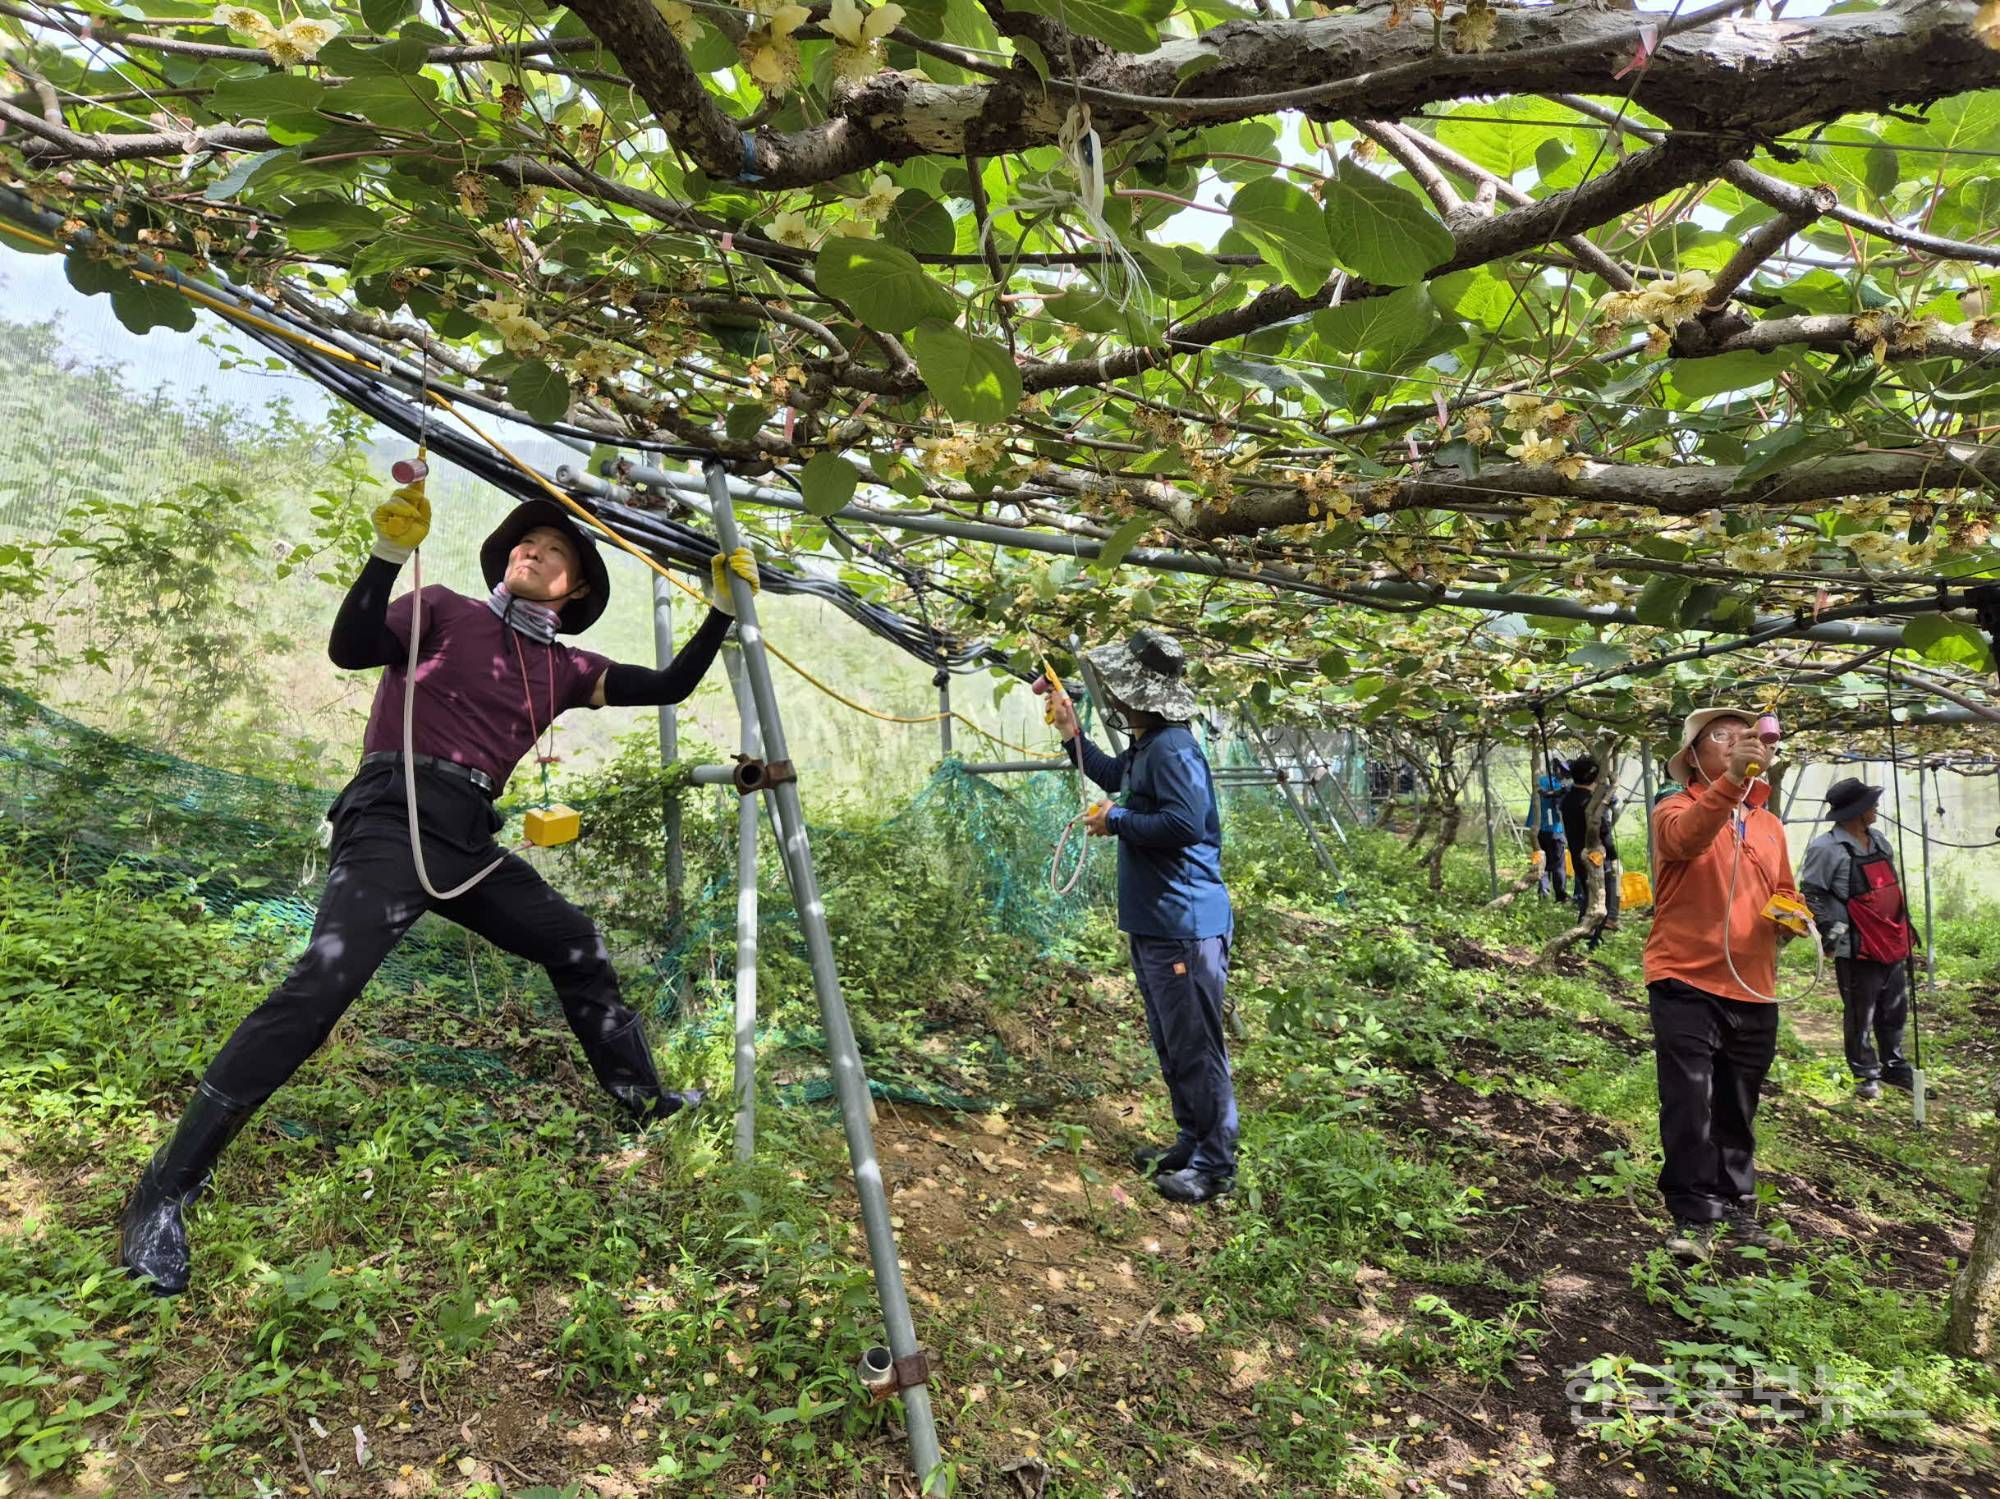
pixel 1461 352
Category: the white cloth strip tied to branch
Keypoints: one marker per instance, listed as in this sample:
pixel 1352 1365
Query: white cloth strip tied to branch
pixel 1082 152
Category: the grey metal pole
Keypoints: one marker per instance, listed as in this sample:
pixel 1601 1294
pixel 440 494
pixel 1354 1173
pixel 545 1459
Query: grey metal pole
pixel 1919 1104
pixel 752 743
pixel 663 652
pixel 1340 781
pixel 1646 780
pixel 1793 777
pixel 1298 808
pixel 1096 690
pixel 1011 767
pixel 1486 801
pixel 850 1082
pixel 944 711
pixel 1300 746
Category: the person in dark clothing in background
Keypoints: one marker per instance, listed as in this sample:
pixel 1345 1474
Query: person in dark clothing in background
pixel 490 677
pixel 1583 774
pixel 1849 880
pixel 1172 904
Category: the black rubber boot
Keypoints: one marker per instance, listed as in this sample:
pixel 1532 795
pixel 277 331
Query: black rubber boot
pixel 1163 1160
pixel 1191 1186
pixel 153 1242
pixel 624 1066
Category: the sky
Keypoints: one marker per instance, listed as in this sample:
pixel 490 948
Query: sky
pixel 33 287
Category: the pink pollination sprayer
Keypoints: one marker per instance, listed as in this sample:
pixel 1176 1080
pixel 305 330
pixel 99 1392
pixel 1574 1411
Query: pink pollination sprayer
pixel 1767 731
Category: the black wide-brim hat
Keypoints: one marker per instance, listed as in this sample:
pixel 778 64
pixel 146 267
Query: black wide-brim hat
pixel 1850 798
pixel 578 614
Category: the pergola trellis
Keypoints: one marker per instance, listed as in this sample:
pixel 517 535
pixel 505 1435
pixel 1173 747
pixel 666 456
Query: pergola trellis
pixel 1379 384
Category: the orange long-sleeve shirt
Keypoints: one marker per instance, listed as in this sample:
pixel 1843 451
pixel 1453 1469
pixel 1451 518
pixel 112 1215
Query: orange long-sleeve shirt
pixel 1694 845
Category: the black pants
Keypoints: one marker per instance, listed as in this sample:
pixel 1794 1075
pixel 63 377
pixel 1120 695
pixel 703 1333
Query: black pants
pixel 372 898
pixel 1875 1006
pixel 1182 983
pixel 1552 862
pixel 1711 1055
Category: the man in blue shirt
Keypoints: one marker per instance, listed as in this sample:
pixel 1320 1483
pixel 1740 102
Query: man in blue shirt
pixel 1172 904
pixel 1545 817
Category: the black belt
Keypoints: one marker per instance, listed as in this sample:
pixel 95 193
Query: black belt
pixel 478 778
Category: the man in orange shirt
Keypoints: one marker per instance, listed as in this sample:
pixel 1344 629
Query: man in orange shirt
pixel 1711 976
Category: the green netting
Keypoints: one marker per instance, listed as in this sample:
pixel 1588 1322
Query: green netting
pixel 83 802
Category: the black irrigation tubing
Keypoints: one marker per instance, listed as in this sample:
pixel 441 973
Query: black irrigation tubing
pixel 1936 842
pixel 669 538
pixel 1941 601
pixel 1940 842
pixel 666 538
pixel 1661 663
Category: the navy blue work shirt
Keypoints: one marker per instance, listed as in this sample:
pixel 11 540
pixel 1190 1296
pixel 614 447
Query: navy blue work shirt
pixel 1169 834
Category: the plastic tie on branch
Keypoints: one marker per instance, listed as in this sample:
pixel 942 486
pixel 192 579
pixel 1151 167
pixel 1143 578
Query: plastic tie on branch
pixel 749 172
pixel 1649 41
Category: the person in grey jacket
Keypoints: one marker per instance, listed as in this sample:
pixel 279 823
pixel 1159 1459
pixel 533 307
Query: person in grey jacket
pixel 1849 880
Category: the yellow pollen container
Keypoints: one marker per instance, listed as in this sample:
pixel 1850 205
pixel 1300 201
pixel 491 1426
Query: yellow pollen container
pixel 1791 913
pixel 548 826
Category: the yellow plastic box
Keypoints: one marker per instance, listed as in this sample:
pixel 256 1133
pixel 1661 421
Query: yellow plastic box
pixel 548 826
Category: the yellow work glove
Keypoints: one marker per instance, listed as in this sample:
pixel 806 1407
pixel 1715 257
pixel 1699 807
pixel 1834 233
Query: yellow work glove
pixel 739 562
pixel 401 523
pixel 1789 912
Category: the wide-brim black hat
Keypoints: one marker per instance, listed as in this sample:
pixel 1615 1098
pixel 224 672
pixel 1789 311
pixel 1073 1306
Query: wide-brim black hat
pixel 579 614
pixel 1850 798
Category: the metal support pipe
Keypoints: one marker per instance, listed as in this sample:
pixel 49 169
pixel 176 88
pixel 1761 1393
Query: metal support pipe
pixel 752 742
pixel 1156 559
pixel 1646 780
pixel 1298 808
pixel 1486 800
pixel 663 652
pixel 712 775
pixel 1011 767
pixel 1308 764
pixel 1320 763
pixel 1095 689
pixel 850 1082
pixel 1919 1104
pixel 944 711
pixel 1791 791
pixel 1340 784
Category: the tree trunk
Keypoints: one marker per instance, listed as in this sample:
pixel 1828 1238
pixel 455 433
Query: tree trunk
pixel 1424 820
pixel 1974 1329
pixel 1447 836
pixel 1513 892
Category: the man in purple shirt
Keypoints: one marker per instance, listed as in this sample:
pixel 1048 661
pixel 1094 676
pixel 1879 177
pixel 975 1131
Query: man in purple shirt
pixel 490 677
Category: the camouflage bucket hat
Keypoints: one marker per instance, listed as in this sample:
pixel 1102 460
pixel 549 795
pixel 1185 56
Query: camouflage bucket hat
pixel 1146 673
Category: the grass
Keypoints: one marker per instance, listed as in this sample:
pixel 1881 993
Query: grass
pixel 1441 1242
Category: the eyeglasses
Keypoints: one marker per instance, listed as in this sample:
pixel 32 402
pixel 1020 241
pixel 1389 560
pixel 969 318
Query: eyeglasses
pixel 1726 737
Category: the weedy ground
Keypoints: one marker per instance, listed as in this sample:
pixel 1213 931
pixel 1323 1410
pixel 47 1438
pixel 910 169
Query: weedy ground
pixel 1438 1275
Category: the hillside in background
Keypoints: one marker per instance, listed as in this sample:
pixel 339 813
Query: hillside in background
pixel 198 549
